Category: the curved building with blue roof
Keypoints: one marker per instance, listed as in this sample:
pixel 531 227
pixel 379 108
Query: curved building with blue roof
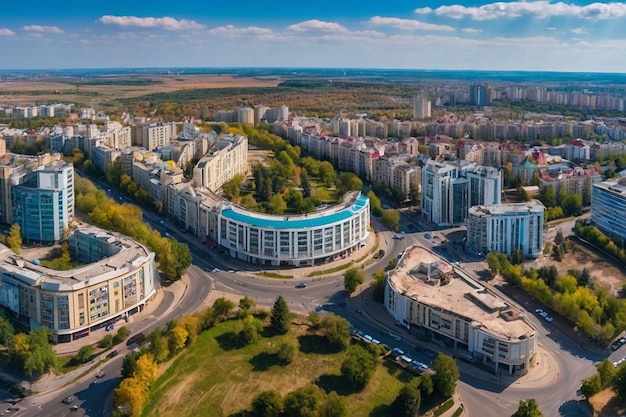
pixel 298 240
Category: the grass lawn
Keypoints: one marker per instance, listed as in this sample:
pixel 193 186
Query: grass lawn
pixel 217 376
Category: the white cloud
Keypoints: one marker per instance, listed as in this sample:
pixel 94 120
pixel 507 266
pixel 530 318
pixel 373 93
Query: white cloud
pixel 168 23
pixel 408 24
pixel 579 31
pixel 42 29
pixel 540 9
pixel 233 31
pixel 6 32
pixel 471 30
pixel 315 25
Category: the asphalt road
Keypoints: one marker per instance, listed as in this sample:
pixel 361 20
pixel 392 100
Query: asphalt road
pixel 483 397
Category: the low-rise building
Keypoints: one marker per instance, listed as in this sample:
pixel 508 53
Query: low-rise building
pixel 434 299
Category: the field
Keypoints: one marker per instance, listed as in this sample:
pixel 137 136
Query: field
pixel 97 91
pixel 218 376
pixel 603 272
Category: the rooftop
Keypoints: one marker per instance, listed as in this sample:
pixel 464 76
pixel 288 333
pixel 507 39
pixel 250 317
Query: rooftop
pixel 351 203
pixel 461 296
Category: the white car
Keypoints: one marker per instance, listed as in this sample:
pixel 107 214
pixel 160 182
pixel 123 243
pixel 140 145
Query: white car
pixel 216 270
pixel 538 311
pixel 549 318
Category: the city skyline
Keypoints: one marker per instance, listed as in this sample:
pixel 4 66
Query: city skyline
pixel 538 35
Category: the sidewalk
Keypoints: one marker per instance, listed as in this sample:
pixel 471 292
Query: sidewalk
pixel 136 323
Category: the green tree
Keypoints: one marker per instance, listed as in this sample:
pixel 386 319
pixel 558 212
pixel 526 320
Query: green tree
pixel 376 207
pixel 246 304
pixel 129 365
pixel 348 181
pixel 303 402
pixel 336 330
pixel 379 285
pixel 232 188
pixel 359 366
pixel 222 308
pixel 619 382
pixel 353 278
pixel 528 408
pixel 276 204
pixel 334 406
pixel 327 173
pixel 287 351
pixel 407 403
pixel 446 374
pixel 39 357
pixel 14 239
pixel 391 219
pixel 279 321
pixel 572 204
pixel 7 333
pixel 252 328
pixel 84 354
pixel 591 386
pixel 305 184
pixel 267 404
pixel 606 371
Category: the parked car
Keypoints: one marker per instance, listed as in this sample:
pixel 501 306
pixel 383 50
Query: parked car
pixel 68 399
pixel 549 318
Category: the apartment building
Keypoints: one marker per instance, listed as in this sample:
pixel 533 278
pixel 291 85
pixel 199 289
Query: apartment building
pixel 608 205
pixel 43 203
pixel 398 174
pixel 230 158
pixel 154 134
pixel 506 228
pixel 447 189
pixel 421 108
pixel 116 279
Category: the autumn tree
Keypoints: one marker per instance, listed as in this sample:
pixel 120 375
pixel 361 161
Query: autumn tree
pixel 130 395
pixel 14 239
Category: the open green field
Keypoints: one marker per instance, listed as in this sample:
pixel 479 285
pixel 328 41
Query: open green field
pixel 218 376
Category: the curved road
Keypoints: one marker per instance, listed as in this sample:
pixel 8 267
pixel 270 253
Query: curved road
pixel 483 397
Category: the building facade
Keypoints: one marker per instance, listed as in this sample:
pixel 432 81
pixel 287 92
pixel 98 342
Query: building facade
pixel 306 239
pixel 431 298
pixel 117 280
pixel 506 228
pixel 43 205
pixel 230 159
pixel 608 205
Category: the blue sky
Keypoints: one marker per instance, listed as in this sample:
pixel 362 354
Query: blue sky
pixel 516 35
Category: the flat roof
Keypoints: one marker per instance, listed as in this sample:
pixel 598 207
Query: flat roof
pixel 511 208
pixel 351 204
pixel 463 297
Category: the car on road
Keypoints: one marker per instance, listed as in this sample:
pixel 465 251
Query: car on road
pixel 232 271
pixel 74 408
pixel 215 270
pixel 113 353
pixel 301 285
pixel 544 314
pixel 68 399
pixel 427 235
pixel 549 318
pixel 110 327
pixel 398 351
pixel 100 374
pixel 538 311
pixel 138 338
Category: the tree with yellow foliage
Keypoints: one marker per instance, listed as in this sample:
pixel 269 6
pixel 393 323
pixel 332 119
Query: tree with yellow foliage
pixel 146 369
pixel 178 338
pixel 131 396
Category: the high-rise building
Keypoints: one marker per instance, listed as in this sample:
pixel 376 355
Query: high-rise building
pixel 608 205
pixel 421 108
pixel 448 188
pixel 506 228
pixel 43 204
pixel 478 95
pixel 155 134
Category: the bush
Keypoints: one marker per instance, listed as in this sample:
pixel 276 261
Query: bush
pixel 106 342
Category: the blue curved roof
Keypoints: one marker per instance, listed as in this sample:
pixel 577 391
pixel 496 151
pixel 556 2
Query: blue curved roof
pixel 295 222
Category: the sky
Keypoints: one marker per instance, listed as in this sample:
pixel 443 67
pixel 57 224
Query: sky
pixel 421 34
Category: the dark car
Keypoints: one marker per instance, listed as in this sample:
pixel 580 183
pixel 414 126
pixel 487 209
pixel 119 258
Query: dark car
pixel 113 353
pixel 301 285
pixel 138 338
